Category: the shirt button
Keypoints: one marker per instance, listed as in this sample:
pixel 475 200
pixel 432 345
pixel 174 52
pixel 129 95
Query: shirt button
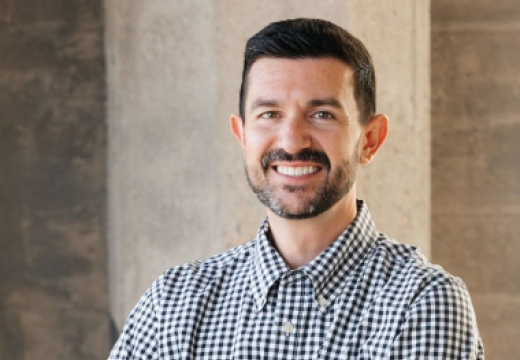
pixel 288 328
pixel 322 301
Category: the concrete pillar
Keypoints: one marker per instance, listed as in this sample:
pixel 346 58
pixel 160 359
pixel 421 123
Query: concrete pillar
pixel 163 141
pixel 177 190
pixel 396 184
pixel 476 167
pixel 53 277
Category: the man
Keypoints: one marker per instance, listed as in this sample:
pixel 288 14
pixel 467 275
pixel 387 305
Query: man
pixel 318 281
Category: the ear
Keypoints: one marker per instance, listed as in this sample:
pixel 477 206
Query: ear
pixel 237 128
pixel 374 135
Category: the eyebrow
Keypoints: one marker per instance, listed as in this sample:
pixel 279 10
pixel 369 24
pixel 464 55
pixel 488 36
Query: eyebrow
pixel 326 101
pixel 259 103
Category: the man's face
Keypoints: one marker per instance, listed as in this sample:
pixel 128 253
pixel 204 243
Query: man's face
pixel 300 134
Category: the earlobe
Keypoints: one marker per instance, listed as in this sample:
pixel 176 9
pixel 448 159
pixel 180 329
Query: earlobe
pixel 375 133
pixel 237 128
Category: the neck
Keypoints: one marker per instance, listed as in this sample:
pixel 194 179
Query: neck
pixel 300 241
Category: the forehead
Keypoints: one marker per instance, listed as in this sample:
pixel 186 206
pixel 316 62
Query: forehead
pixel 291 78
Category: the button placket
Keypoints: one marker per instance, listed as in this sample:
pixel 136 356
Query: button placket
pixel 287 324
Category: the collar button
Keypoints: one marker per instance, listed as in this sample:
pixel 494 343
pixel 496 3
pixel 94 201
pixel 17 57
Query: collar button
pixel 322 301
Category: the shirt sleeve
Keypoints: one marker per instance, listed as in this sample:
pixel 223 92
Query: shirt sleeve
pixel 138 338
pixel 440 324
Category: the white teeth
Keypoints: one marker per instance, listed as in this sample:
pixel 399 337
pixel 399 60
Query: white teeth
pixel 296 171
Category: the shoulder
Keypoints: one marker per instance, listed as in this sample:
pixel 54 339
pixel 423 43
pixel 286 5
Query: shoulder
pixel 436 308
pixel 405 268
pixel 197 275
pixel 170 294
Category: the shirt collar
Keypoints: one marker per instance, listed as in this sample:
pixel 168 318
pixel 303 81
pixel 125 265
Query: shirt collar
pixel 327 271
pixel 268 266
pixel 330 269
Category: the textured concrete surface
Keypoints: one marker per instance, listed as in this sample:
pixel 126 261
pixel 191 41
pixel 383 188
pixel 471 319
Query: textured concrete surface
pixel 53 301
pixel 177 190
pixel 475 167
pixel 498 319
pixel 396 184
pixel 163 141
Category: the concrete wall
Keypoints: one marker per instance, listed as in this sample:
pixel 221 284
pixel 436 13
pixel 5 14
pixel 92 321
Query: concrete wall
pixel 476 166
pixel 397 183
pixel 176 184
pixel 53 279
pixel 177 191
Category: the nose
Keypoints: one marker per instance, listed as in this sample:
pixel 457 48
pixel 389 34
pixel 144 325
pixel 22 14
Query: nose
pixel 294 135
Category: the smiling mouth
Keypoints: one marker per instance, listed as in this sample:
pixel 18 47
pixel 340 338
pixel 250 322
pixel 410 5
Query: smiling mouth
pixel 296 171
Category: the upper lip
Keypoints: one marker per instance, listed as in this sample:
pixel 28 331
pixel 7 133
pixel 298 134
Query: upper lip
pixel 306 157
pixel 295 164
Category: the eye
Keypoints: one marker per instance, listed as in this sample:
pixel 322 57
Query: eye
pixel 323 115
pixel 269 115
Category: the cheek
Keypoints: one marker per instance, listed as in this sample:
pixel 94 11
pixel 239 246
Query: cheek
pixel 340 148
pixel 257 143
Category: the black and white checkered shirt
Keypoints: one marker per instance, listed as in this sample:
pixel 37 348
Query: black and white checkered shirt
pixel 365 297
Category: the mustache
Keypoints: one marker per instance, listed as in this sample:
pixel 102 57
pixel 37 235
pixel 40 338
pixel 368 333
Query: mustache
pixel 304 155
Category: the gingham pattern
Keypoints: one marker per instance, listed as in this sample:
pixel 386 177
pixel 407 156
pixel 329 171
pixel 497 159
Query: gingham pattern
pixel 365 297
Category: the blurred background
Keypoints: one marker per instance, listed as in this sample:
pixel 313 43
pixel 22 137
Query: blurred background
pixel 116 161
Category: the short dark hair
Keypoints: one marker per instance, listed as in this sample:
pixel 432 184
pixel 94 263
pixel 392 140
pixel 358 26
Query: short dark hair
pixel 314 38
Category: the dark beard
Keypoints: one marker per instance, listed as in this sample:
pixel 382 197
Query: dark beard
pixel 338 183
